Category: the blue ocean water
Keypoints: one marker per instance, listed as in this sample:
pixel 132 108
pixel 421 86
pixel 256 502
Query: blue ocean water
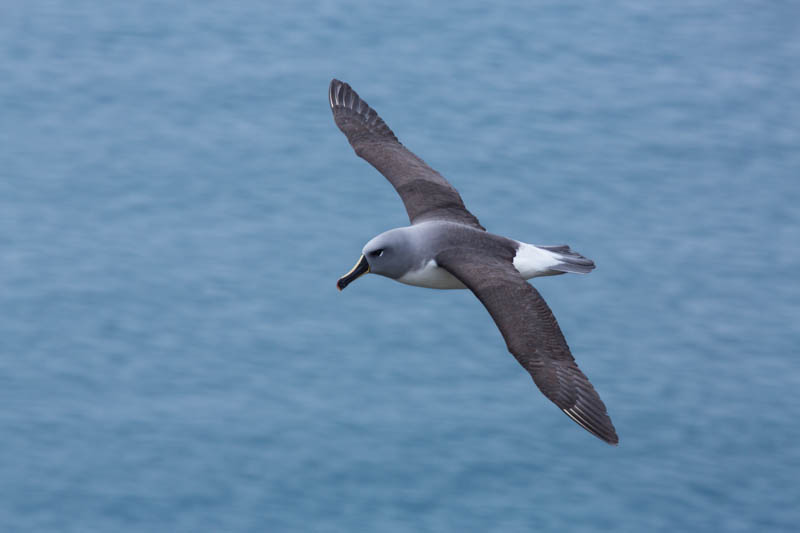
pixel 176 205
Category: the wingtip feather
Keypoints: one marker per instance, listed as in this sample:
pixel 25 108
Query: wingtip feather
pixel 345 102
pixel 602 429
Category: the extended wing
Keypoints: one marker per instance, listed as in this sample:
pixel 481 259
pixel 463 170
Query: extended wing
pixel 532 335
pixel 425 193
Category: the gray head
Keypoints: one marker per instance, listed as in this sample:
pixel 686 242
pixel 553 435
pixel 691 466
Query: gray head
pixel 389 254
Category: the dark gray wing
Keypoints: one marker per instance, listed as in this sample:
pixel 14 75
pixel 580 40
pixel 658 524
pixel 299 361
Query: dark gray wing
pixel 531 334
pixel 425 193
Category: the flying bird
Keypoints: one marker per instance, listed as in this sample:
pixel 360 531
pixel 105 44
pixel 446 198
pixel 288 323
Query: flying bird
pixel 445 247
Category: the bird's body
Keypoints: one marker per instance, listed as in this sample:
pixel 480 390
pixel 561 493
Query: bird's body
pixel 427 238
pixel 445 247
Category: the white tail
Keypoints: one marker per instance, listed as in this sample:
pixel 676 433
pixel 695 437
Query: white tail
pixel 534 261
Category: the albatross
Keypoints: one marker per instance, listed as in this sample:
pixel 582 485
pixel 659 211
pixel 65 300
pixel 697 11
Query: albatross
pixel 445 247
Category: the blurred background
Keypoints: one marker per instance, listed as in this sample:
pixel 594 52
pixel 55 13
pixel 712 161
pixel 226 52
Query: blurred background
pixel 176 205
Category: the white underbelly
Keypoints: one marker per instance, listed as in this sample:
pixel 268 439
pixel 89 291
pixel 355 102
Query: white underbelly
pixel 431 277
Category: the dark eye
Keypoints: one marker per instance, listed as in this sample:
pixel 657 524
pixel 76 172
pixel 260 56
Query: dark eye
pixel 377 253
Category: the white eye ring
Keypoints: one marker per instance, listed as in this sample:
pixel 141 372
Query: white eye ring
pixel 380 253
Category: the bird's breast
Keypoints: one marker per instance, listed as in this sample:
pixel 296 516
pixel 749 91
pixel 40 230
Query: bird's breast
pixel 431 276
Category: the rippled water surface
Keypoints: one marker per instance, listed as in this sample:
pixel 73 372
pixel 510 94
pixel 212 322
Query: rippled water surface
pixel 176 205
